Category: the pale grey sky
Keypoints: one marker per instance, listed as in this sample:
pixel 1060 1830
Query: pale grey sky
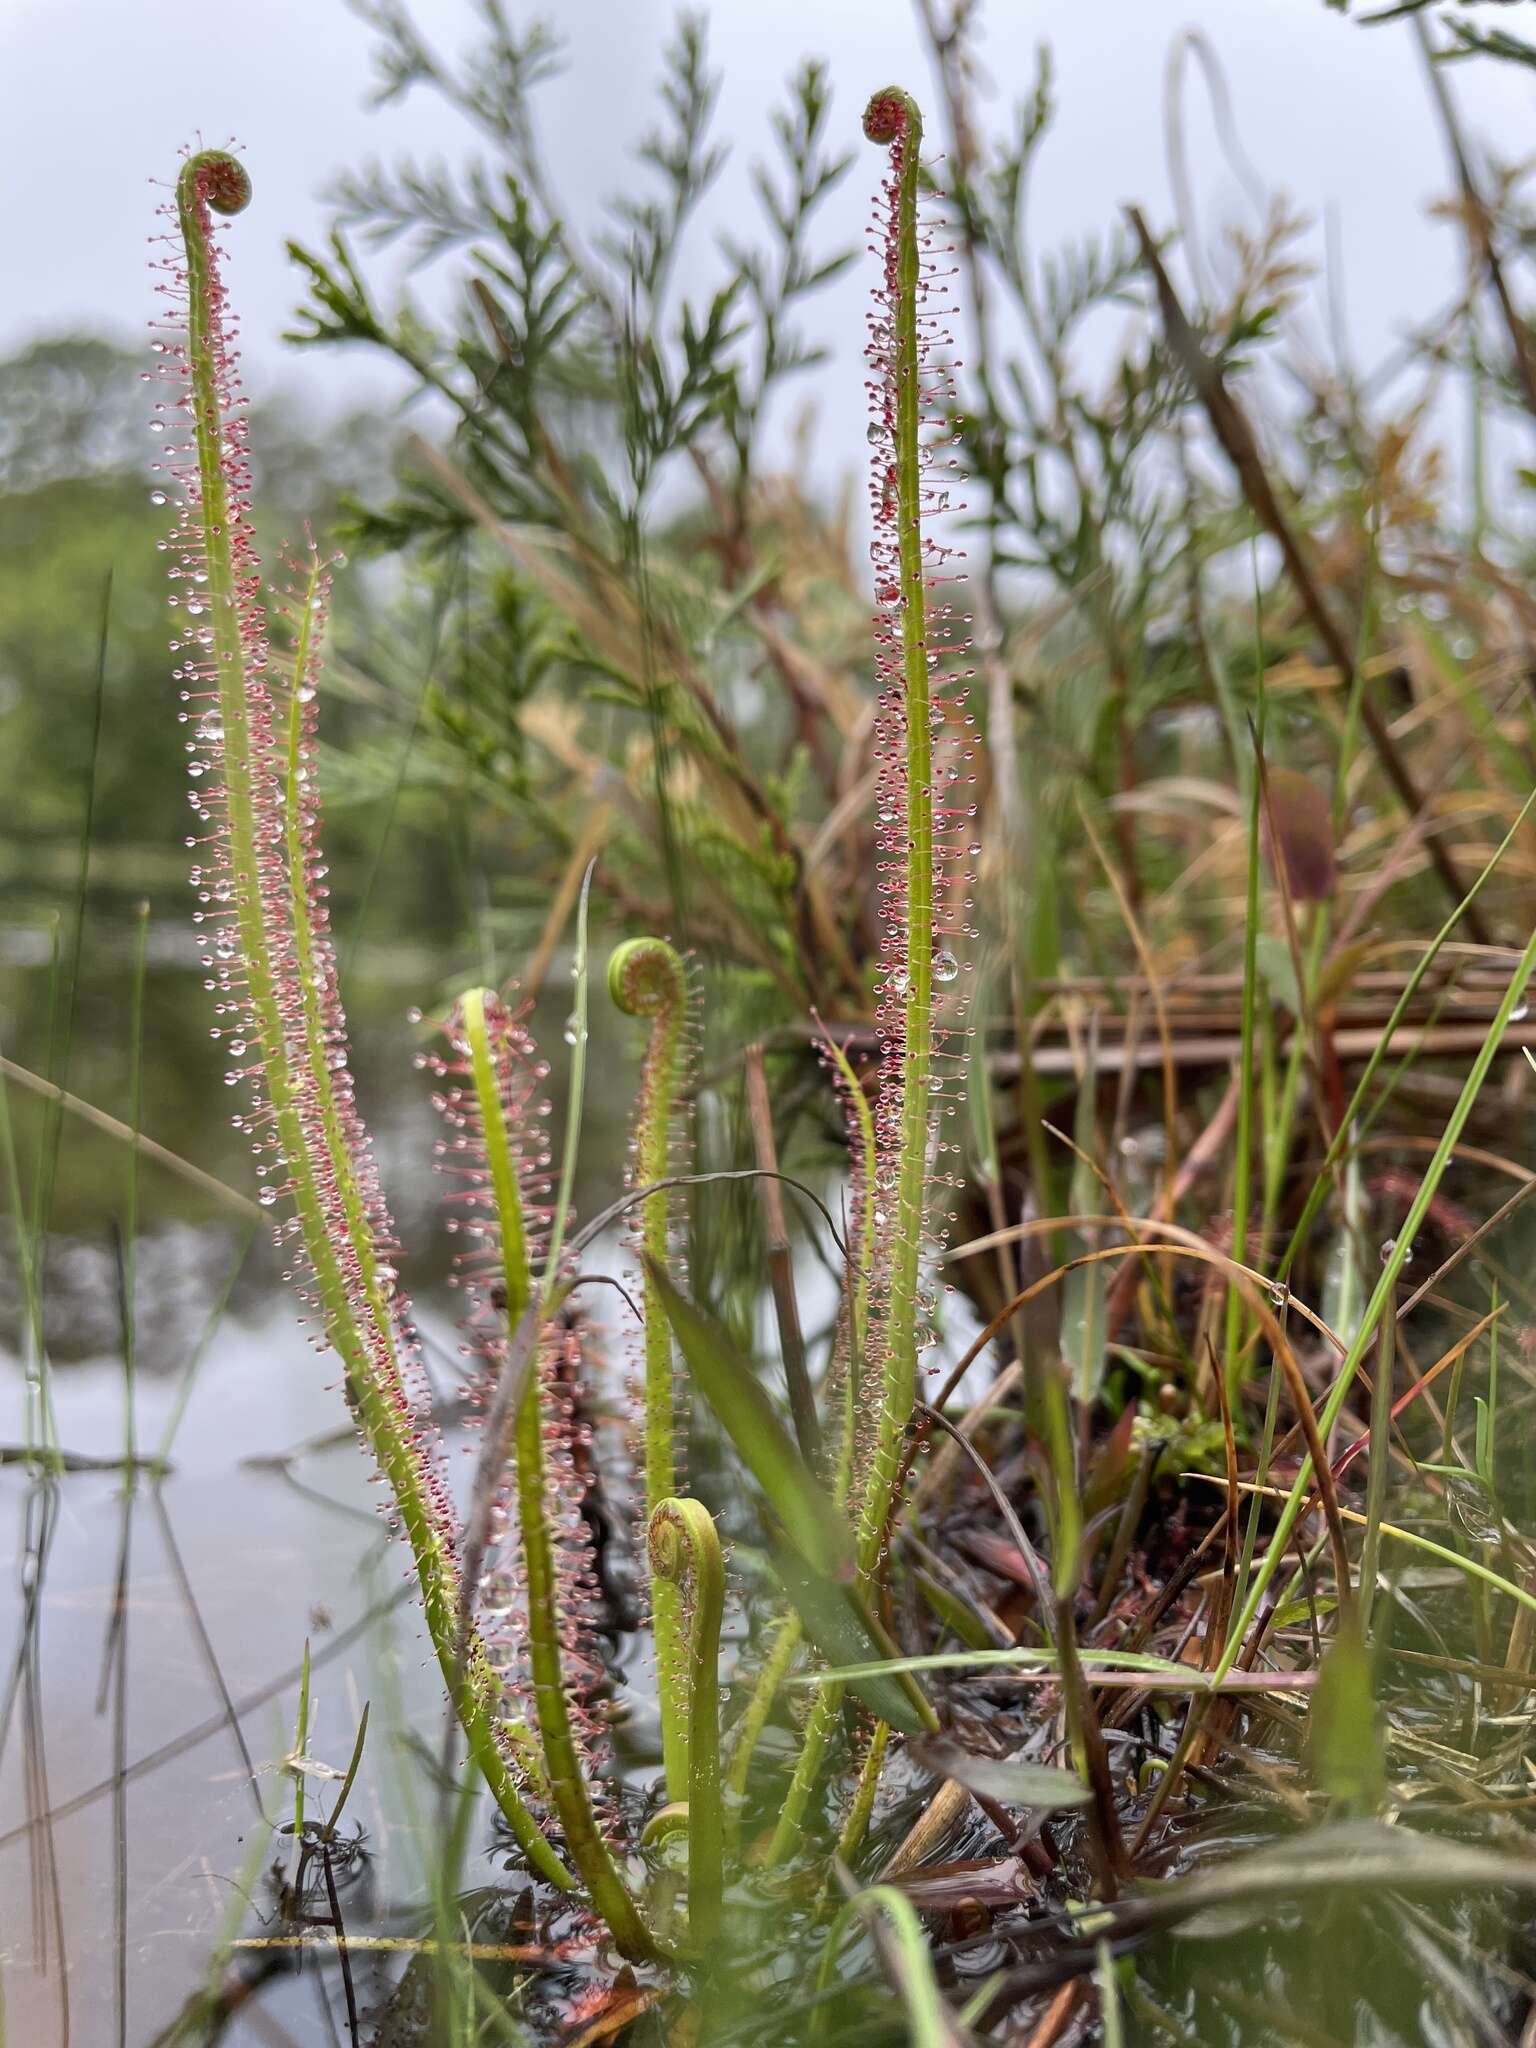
pixel 96 95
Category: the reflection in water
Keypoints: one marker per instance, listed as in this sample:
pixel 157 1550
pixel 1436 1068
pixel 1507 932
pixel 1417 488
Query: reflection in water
pixel 153 1660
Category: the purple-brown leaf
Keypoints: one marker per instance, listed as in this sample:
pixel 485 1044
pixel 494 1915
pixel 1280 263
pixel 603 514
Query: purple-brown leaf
pixel 1298 834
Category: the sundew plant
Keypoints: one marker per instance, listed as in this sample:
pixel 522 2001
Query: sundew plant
pixel 504 1596
pixel 1132 1546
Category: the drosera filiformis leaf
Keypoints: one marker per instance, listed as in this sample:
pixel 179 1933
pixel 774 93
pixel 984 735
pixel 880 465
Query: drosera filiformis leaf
pixel 267 950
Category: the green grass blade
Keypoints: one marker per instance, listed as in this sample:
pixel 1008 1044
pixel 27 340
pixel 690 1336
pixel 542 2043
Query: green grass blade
pixel 930 2023
pixel 1242 1162
pixel 300 1751
pixel 334 1819
pixel 131 1189
pixel 577 1082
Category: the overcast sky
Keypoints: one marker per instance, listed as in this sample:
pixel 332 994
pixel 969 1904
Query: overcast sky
pixel 96 96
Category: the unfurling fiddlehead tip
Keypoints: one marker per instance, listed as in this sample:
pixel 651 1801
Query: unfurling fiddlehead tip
pixel 218 178
pixel 684 1552
pixel 647 977
pixel 892 112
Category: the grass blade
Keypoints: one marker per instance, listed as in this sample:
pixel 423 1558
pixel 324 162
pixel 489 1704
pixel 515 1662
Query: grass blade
pixel 577 1090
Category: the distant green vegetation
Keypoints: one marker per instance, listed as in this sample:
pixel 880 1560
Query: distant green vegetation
pixel 83 596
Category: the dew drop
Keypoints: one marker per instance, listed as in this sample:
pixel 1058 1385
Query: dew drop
pixel 498 1592
pixel 945 966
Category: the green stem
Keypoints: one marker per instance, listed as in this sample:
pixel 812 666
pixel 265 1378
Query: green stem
pixel 749 1729
pixel 861 1133
pixel 647 978
pixel 316 970
pixel 1242 1168
pixel 500 1158
pixel 1376 1473
pixel 856 1826
pixel 818 1733
pixel 684 1551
